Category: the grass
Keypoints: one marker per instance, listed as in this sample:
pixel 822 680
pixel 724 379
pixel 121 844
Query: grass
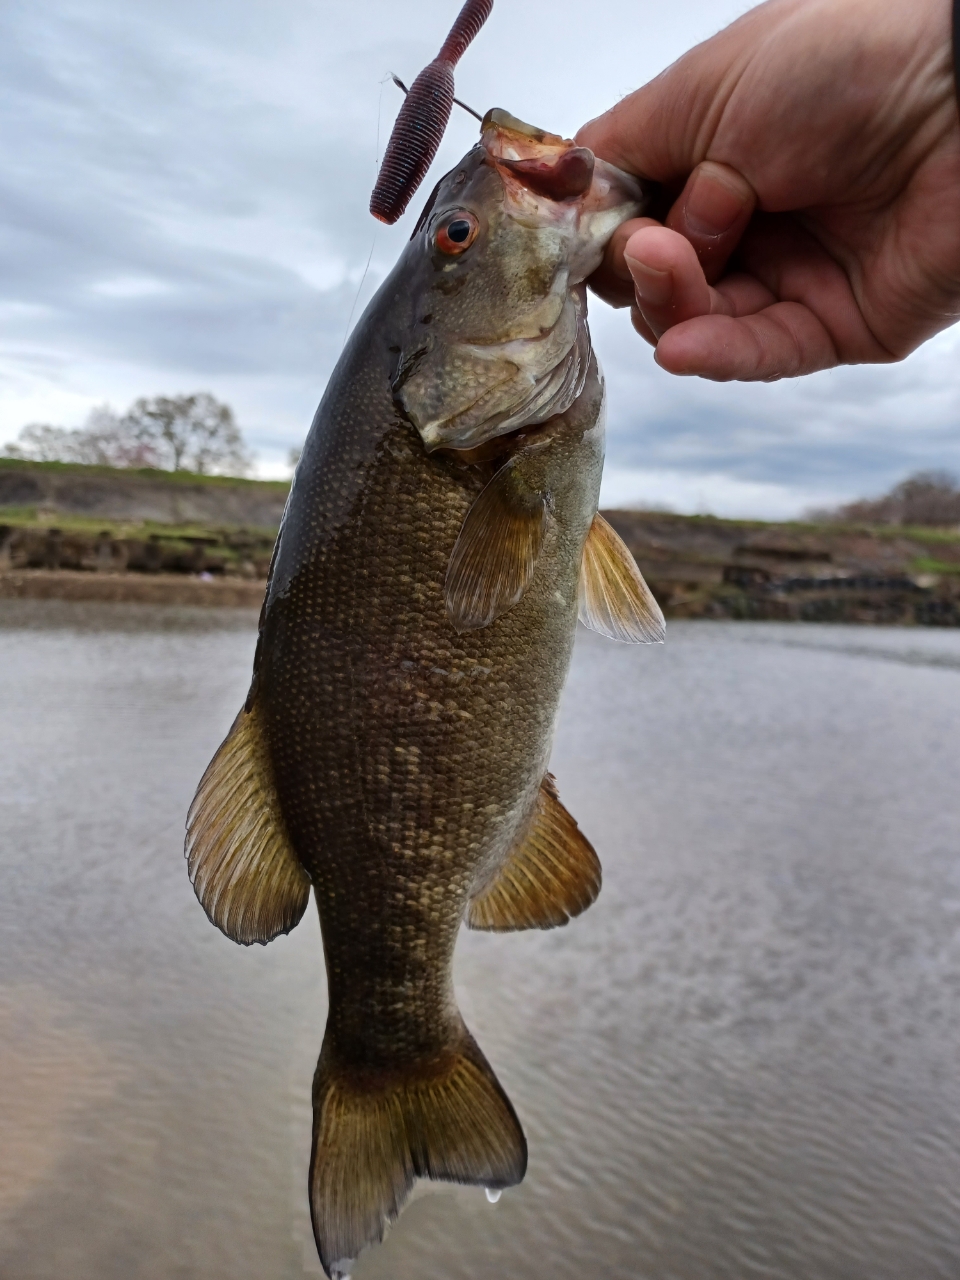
pixel 147 473
pixel 35 518
pixel 926 564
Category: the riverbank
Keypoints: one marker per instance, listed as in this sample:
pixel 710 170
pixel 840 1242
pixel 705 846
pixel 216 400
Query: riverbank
pixel 131 588
pixel 705 567
pixel 93 533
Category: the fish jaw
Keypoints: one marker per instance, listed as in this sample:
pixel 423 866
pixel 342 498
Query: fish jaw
pixel 549 180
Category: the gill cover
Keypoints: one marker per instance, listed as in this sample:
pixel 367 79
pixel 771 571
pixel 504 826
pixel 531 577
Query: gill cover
pixel 507 344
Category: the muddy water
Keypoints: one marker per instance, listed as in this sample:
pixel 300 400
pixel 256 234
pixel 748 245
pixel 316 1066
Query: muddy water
pixel 742 1062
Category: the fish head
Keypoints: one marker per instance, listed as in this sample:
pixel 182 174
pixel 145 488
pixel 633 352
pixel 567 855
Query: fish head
pixel 496 270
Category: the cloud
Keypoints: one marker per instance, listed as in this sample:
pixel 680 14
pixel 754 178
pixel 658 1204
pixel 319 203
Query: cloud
pixel 183 204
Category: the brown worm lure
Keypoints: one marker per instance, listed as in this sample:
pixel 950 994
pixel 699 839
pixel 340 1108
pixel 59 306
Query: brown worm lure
pixel 423 118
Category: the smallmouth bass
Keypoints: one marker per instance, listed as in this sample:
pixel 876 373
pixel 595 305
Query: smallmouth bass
pixel 440 538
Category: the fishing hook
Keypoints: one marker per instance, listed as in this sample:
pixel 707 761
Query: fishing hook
pixel 400 85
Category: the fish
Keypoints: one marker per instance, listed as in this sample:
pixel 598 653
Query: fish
pixel 440 540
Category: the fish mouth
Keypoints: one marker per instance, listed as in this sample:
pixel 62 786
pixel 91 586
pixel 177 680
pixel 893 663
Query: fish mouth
pixel 550 180
pixel 533 160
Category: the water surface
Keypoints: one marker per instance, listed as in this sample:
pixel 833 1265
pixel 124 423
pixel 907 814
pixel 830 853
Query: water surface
pixel 742 1062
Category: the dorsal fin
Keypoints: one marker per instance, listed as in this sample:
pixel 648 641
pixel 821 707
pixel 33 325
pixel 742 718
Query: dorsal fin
pixel 614 599
pixel 496 552
pixel 551 876
pixel 239 857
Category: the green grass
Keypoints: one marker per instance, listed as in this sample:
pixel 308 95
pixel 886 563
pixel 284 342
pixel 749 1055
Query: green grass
pixel 148 473
pixel 926 564
pixel 29 518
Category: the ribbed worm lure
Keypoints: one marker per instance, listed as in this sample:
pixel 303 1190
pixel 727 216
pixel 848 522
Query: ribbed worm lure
pixel 423 118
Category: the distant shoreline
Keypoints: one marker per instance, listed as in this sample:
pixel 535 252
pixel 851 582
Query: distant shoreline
pixel 131 588
pixel 70 532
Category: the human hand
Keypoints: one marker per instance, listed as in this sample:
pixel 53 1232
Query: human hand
pixel 815 145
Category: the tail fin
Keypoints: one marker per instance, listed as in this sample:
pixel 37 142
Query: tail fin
pixel 450 1121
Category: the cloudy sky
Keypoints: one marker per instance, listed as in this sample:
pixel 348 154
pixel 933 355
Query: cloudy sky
pixel 183 206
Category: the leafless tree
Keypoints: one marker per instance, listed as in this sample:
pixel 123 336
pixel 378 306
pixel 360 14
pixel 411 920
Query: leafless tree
pixel 195 433
pixel 925 498
pixel 191 433
pixel 103 441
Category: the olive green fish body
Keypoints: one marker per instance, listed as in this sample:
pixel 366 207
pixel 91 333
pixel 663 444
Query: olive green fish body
pixel 408 757
pixel 440 540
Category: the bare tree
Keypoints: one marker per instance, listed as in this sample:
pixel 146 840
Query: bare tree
pixel 39 442
pixel 195 433
pixel 103 441
pixel 925 498
pixel 191 433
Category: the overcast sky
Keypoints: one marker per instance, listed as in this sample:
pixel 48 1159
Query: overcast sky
pixel 183 206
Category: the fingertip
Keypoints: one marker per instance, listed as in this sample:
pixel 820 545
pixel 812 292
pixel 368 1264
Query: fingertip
pixel 653 246
pixel 614 256
pixel 669 282
pixel 704 348
pixel 677 357
pixel 612 280
pixel 641 326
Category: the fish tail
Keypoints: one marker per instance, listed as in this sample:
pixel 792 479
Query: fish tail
pixel 447 1119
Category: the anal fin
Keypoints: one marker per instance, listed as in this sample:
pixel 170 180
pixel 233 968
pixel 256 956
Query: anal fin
pixel 614 599
pixel 496 552
pixel 551 876
pixel 239 857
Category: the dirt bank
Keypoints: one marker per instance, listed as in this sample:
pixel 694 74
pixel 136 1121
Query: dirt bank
pixel 130 588
pixel 54 490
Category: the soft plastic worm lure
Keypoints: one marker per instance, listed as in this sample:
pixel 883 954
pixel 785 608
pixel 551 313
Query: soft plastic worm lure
pixel 423 118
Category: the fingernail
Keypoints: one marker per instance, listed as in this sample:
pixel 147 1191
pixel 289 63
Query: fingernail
pixel 653 287
pixel 711 207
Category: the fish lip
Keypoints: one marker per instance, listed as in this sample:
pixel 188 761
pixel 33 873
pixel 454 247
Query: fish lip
pixel 565 178
pixel 542 162
pixel 547 179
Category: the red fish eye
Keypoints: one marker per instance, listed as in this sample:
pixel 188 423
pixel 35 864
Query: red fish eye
pixel 458 234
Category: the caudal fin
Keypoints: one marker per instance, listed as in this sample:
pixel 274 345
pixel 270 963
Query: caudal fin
pixel 450 1120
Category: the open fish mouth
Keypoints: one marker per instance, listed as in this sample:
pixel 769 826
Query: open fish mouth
pixel 548 215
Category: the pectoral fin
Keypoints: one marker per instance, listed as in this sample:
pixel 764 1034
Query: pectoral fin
pixel 550 877
pixel 614 599
pixel 239 857
pixel 496 552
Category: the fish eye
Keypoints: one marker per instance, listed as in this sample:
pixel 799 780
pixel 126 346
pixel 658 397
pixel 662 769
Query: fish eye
pixel 457 233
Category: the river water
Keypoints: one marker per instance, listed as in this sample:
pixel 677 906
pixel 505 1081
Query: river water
pixel 742 1062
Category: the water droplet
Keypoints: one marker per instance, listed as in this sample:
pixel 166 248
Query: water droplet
pixel 493 1196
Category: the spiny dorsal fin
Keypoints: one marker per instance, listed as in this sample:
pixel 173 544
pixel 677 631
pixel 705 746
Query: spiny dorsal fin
pixel 239 857
pixel 550 877
pixel 446 1118
pixel 614 599
pixel 496 552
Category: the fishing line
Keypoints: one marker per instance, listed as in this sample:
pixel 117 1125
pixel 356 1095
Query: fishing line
pixel 346 332
pixel 376 230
